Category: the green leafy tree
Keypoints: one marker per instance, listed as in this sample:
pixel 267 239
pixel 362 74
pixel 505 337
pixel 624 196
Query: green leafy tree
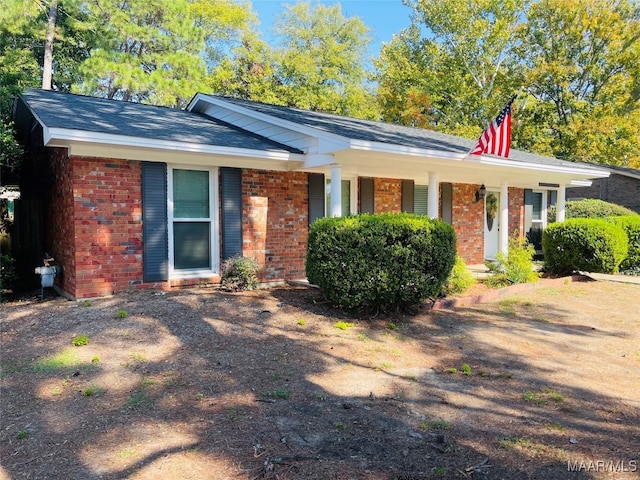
pixel 158 51
pixel 321 60
pixel 250 72
pixel 583 77
pixel 459 75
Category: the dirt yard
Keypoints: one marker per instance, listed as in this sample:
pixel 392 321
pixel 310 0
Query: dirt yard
pixel 202 384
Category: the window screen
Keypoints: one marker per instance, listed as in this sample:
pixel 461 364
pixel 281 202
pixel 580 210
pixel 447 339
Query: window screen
pixel 191 242
pixel 190 194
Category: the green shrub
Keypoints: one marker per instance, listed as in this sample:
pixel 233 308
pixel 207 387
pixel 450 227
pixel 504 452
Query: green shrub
pixel 590 208
pixel 460 279
pixel 516 266
pixel 80 340
pixel 631 225
pixel 239 273
pixel 584 244
pixel 383 261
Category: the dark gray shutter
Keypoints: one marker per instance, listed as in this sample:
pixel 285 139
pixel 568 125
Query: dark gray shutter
pixel 316 196
pixel 231 196
pixel 554 197
pixel 155 239
pixel 367 202
pixel 421 199
pixel 407 196
pixel 528 210
pixel 446 202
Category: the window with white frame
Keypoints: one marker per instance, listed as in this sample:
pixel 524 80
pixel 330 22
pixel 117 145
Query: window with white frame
pixel 347 197
pixel 192 226
pixel 539 210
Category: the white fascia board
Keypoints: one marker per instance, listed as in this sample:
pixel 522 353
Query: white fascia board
pixel 581 183
pixel 505 162
pixel 64 138
pixel 179 157
pixel 331 138
pixel 404 150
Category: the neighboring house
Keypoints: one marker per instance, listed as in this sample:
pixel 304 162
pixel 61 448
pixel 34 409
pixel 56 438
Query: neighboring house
pixel 621 187
pixel 137 196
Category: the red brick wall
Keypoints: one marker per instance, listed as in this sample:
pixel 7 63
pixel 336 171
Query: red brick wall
pixel 387 195
pixel 108 225
pixel 275 222
pixel 94 224
pixel 96 227
pixel 59 220
pixel 618 189
pixel 516 211
pixel 468 223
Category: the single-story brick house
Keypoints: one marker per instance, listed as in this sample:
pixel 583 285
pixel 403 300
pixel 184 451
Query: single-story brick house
pixel 621 187
pixel 138 196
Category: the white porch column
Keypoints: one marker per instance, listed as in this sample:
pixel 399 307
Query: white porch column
pixel 432 200
pixel 560 204
pixel 504 219
pixel 336 190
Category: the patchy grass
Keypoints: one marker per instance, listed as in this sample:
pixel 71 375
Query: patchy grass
pixel 343 325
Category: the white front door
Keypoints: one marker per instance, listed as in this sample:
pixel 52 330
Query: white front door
pixel 491 225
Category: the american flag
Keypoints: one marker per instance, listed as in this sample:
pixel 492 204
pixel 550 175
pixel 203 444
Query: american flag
pixel 496 139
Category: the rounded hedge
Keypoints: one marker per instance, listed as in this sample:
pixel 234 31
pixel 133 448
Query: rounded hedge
pixel 381 261
pixel 584 244
pixel 589 208
pixel 631 226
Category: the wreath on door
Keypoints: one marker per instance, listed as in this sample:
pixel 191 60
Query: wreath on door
pixel 492 206
pixel 492 209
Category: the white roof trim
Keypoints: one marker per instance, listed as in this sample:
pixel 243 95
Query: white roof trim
pixel 403 150
pixel 305 130
pixel 572 169
pixel 62 137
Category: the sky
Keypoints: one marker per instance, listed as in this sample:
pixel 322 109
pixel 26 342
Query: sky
pixel 383 17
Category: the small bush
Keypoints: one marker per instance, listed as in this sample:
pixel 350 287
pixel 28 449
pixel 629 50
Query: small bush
pixel 631 225
pixel 516 266
pixel 380 262
pixel 80 340
pixel 590 208
pixel 460 279
pixel 584 244
pixel 239 273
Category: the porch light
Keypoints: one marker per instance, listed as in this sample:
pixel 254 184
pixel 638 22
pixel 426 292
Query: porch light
pixel 480 193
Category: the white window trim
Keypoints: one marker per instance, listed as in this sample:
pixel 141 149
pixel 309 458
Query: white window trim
pixel 353 194
pixel 214 236
pixel 543 210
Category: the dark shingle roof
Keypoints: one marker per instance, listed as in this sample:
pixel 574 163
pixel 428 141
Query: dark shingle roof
pixel 77 112
pixel 388 133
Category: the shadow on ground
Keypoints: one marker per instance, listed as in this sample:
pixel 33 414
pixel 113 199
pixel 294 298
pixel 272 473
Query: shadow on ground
pixel 205 384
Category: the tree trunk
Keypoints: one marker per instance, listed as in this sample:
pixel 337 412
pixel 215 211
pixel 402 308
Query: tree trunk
pixel 48 46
